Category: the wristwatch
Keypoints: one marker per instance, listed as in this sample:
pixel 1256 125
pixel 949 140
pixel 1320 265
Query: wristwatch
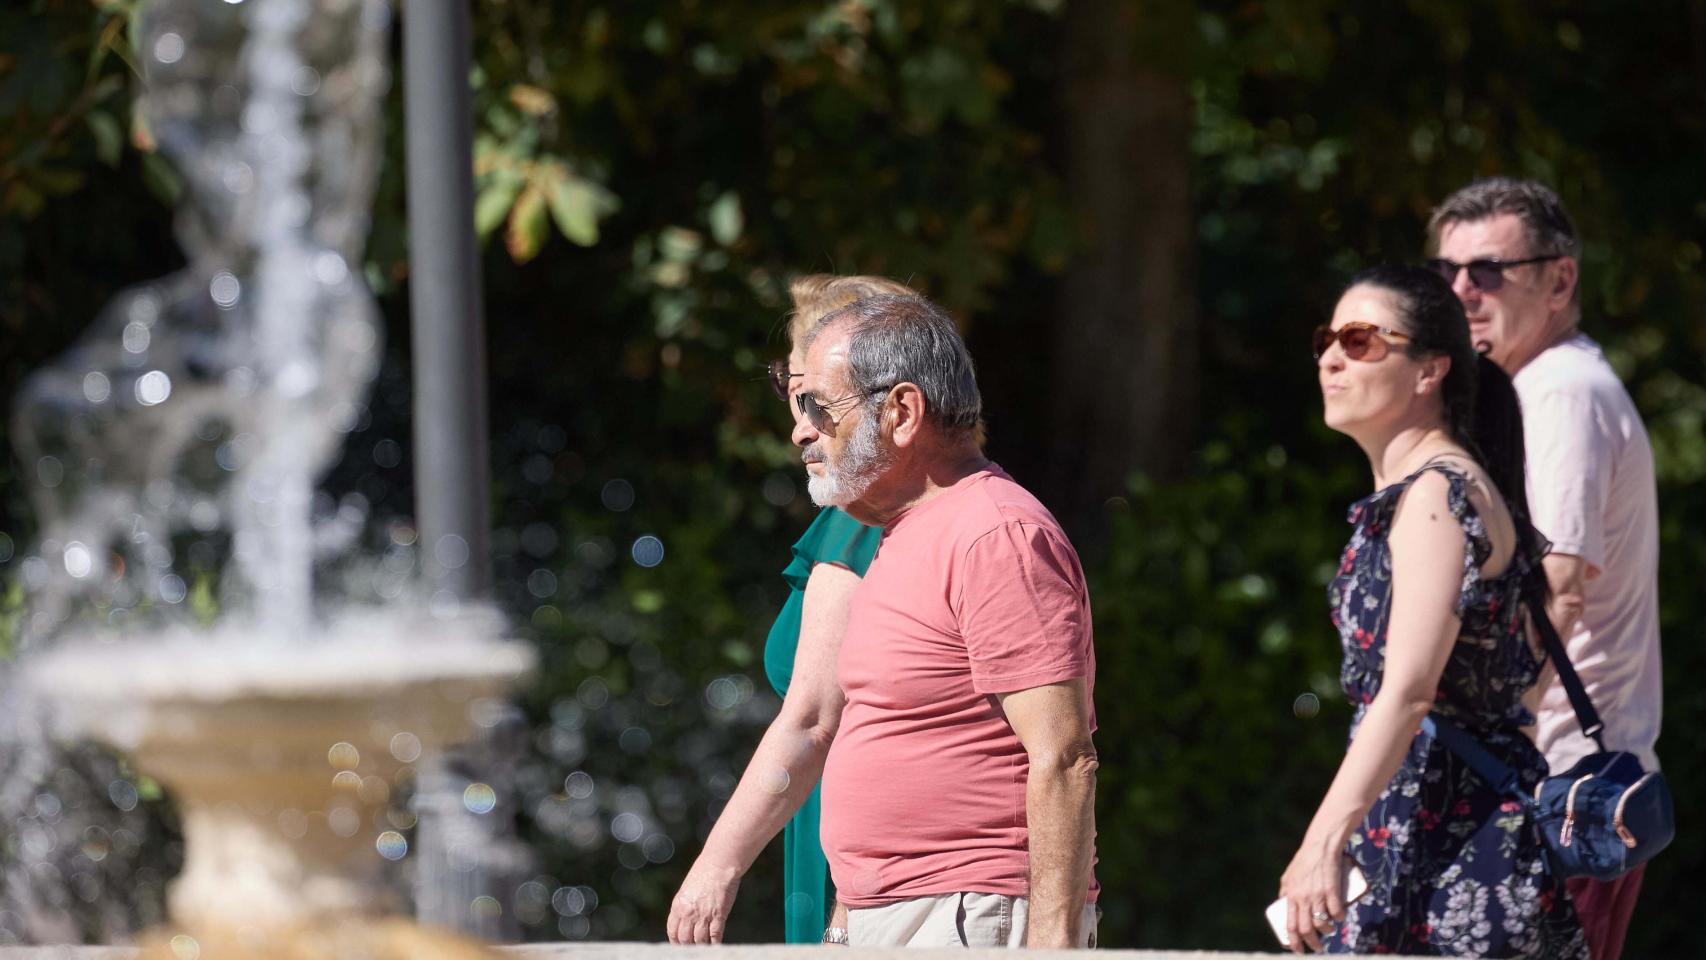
pixel 835 935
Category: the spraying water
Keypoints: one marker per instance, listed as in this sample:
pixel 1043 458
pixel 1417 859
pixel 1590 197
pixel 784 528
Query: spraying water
pixel 179 443
pixel 185 430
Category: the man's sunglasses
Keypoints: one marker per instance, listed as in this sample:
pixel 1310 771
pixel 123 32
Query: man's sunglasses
pixel 818 413
pixel 780 377
pixel 1486 274
pixel 1360 341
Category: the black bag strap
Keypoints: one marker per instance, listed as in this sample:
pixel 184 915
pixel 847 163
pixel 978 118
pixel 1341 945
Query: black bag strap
pixel 1586 715
pixel 1498 774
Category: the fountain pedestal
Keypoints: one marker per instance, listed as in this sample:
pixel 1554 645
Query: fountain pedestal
pixel 283 761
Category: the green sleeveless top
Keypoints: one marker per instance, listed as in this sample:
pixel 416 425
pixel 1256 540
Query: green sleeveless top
pixel 834 537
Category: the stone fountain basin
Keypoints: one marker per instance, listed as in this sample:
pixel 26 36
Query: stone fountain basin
pixel 283 753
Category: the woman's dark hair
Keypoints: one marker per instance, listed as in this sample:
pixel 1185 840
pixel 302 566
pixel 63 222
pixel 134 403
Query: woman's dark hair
pixel 1481 407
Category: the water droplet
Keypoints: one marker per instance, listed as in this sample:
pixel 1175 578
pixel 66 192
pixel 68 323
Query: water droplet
pixel 79 562
pixel 617 495
pixel 391 845
pixel 6 548
pixel 293 824
pixel 801 904
pixel 1306 706
pixel 169 49
pixel 387 453
pixel 542 583
pixel 238 177
pixel 658 848
pixel 485 908
pixel 592 693
pixel 406 747
pixel 344 756
pixel 538 470
pixel 776 781
pixel 48 807
pixel 568 901
pixel 136 337
pixel 305 81
pixel 451 551
pixel 779 489
pixel 479 798
pixel 374 790
pixel 330 268
pixel 50 471
pixel 579 785
pixel 347 780
pixel 225 289
pixel 96 387
pixel 538 539
pixel 172 588
pixel 344 821
pixel 647 551
pixel 635 740
pixel 184 946
pixel 153 387
pixel 627 827
pixel 867 882
pixel 722 693
pixel 574 928
pixel 123 794
pixel 95 844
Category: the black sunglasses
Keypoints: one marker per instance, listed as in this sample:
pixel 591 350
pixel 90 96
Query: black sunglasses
pixel 779 376
pixel 1486 274
pixel 818 413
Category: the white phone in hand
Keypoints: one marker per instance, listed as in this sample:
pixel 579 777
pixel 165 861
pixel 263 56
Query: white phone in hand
pixel 1355 886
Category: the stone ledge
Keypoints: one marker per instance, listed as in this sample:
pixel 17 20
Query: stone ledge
pixel 661 951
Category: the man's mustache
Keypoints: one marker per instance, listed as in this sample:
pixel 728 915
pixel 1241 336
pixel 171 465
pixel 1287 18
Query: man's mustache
pixel 813 453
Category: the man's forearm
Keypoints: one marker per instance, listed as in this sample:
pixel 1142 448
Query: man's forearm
pixel 1060 805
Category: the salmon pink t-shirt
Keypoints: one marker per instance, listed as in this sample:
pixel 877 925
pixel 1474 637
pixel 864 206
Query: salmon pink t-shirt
pixel 973 593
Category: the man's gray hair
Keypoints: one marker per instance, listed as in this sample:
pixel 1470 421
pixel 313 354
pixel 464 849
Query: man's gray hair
pixel 1544 219
pixel 893 339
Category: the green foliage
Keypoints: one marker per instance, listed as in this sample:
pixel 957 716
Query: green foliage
pixel 1214 657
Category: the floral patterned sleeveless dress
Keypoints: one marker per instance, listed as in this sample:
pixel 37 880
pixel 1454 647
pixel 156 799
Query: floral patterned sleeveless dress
pixel 1454 868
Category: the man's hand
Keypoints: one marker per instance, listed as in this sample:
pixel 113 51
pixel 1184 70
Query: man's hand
pixel 701 907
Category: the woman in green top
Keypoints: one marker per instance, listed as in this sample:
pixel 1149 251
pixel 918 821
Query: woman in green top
pixel 780 782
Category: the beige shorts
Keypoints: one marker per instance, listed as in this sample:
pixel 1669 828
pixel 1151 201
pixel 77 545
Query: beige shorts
pixel 952 920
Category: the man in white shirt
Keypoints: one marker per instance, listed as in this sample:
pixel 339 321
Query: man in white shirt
pixel 1509 249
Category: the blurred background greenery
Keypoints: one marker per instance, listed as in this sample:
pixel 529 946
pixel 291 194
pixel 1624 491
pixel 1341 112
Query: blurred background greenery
pixel 1137 208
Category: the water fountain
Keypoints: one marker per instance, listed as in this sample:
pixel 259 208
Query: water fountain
pixel 182 437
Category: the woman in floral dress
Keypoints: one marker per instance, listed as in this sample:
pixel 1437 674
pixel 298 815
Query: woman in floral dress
pixel 1428 603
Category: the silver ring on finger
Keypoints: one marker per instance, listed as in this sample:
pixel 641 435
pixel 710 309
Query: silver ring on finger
pixel 1321 916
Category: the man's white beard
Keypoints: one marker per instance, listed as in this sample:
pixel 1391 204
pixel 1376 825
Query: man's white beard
pixel 863 460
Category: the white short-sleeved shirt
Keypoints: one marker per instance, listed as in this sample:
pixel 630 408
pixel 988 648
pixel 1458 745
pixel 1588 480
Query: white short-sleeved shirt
pixel 1592 493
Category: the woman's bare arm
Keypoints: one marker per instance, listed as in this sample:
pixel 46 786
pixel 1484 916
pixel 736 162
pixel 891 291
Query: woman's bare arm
pixel 1427 546
pixel 784 768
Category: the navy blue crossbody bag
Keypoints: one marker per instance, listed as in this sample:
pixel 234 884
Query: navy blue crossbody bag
pixel 1604 816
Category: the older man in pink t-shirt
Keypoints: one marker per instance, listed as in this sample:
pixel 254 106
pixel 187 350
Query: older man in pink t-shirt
pixel 958 795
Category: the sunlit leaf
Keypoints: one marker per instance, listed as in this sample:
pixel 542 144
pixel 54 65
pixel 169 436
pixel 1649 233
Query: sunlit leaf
pixel 495 199
pixel 109 137
pixel 726 218
pixel 577 204
pixel 532 99
pixel 528 225
pixel 161 178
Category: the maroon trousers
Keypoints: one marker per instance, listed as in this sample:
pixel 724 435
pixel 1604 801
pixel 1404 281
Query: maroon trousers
pixel 1604 907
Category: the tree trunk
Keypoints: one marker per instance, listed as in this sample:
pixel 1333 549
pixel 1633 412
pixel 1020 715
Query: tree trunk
pixel 1126 332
